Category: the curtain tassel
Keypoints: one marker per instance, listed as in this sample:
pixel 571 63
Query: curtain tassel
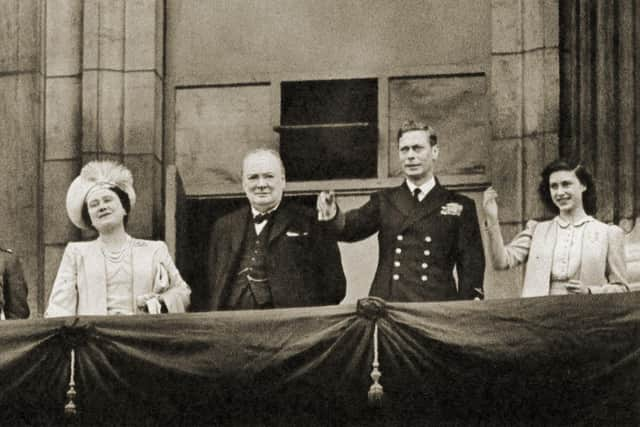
pixel 375 391
pixel 70 408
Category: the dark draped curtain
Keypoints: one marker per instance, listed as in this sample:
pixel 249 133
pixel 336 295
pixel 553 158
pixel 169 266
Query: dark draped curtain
pixel 566 360
pixel 600 97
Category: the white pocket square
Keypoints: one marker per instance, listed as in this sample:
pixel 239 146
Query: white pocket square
pixel 296 234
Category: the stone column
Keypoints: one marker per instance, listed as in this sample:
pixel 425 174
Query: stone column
pixel 524 114
pixel 143 99
pixel 20 135
pixel 63 128
pixel 122 97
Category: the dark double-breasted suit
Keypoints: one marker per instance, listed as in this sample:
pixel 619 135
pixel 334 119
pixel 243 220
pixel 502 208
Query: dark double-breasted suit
pixel 303 267
pixel 420 243
pixel 13 295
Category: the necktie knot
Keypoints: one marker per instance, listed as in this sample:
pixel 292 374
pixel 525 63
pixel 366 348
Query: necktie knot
pixel 416 194
pixel 262 217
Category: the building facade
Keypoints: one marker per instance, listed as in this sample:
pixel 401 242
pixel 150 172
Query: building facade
pixel 178 90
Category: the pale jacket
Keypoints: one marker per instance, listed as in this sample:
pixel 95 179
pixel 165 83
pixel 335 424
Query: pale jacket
pixel 80 287
pixel 602 255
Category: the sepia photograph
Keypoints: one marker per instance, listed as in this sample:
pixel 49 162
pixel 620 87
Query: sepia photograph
pixel 320 213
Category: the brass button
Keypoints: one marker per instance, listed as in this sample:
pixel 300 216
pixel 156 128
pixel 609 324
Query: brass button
pixel 423 278
pixel 398 250
pixel 427 252
pixel 427 239
pixel 396 277
pixel 396 263
pixel 425 265
pixel 400 237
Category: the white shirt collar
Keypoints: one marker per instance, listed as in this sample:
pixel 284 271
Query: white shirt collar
pixel 564 224
pixel 255 212
pixel 260 226
pixel 424 188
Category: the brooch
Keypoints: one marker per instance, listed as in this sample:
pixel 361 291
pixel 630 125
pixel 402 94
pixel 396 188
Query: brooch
pixel 451 209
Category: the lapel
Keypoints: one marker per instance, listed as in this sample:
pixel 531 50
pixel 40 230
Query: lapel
pixel 240 223
pixel 281 220
pixel 594 247
pixel 233 234
pixel 401 198
pixel 96 279
pixel 432 203
pixel 143 268
pixel 538 269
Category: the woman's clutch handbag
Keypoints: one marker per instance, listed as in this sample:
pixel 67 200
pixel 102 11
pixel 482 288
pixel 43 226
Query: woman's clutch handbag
pixel 153 306
pixel 149 303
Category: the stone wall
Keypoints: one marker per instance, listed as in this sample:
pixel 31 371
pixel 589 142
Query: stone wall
pixel 21 131
pixel 525 98
pixel 81 80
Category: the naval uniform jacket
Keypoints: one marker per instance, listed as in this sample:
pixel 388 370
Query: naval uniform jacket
pixel 13 288
pixel 303 267
pixel 419 244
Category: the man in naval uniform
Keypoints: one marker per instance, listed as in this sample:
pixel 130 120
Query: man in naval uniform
pixel 270 253
pixel 13 298
pixel 424 230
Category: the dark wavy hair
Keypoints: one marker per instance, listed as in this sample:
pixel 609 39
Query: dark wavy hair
pixel 124 199
pixel 410 125
pixel 585 178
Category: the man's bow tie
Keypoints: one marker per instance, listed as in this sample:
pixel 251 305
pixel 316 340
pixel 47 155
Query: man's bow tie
pixel 262 217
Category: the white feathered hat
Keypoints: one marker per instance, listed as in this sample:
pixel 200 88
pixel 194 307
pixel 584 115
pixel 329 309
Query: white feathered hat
pixel 96 175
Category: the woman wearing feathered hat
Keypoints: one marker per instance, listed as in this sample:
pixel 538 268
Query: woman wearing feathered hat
pixel 114 274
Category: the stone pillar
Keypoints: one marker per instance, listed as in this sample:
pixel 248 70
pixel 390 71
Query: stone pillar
pixel 143 92
pixel 103 62
pixel 524 114
pixel 122 97
pixel 63 128
pixel 20 135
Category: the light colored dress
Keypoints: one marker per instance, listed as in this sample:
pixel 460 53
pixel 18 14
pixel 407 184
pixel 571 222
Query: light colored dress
pixel 91 281
pixel 119 275
pixel 557 252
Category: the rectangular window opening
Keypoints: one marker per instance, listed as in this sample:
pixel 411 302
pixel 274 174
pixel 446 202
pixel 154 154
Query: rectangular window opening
pixel 329 129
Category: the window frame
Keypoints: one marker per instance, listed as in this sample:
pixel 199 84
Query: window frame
pixel 460 182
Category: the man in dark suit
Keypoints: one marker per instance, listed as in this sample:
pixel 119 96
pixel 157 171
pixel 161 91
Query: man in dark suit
pixel 13 298
pixel 271 253
pixel 424 230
